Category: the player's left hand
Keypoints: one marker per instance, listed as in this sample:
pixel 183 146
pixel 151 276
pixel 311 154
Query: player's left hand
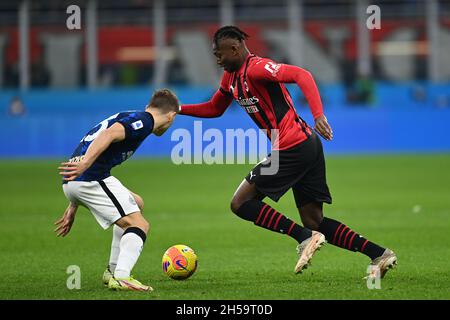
pixel 323 128
pixel 72 170
pixel 64 224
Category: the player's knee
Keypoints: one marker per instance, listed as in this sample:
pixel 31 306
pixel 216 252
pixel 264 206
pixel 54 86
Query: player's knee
pixel 237 202
pixel 139 202
pixel 235 205
pixel 134 220
pixel 142 224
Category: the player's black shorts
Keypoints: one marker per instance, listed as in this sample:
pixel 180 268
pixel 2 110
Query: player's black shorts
pixel 301 168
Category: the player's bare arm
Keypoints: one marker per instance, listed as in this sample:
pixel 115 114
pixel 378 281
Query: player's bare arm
pixel 64 224
pixel 72 170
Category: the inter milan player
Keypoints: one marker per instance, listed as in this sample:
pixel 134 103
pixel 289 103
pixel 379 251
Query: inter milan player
pixel 87 181
pixel 257 84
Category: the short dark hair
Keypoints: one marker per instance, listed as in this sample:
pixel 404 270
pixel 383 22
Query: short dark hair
pixel 164 100
pixel 232 32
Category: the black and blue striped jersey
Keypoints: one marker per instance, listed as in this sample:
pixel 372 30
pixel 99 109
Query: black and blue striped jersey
pixel 138 125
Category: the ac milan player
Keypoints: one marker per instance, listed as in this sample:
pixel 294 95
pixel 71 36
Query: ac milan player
pixel 257 84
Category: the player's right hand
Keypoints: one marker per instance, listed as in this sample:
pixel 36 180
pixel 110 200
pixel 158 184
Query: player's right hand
pixel 72 170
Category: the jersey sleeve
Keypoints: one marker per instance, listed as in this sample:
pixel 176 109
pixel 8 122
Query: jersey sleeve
pixel 268 70
pixel 137 125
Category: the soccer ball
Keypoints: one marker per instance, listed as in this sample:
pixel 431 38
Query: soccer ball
pixel 179 262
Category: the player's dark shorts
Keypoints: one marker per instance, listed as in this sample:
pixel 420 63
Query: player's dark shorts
pixel 301 168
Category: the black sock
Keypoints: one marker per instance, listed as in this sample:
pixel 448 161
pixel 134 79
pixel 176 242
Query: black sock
pixel 342 236
pixel 263 215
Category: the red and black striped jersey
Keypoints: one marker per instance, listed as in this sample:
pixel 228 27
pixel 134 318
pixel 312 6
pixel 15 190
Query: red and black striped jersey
pixel 258 87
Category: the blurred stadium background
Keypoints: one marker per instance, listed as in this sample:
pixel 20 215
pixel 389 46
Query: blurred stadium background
pixel 388 85
pixel 386 93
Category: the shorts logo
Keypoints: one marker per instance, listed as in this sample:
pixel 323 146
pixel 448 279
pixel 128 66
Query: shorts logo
pixel 252 175
pixel 131 199
pixel 137 125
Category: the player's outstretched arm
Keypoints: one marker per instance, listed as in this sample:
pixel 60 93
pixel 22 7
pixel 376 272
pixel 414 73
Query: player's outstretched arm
pixel 211 109
pixel 72 170
pixel 64 224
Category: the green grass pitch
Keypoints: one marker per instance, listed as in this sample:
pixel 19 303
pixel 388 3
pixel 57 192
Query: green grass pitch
pixel 402 202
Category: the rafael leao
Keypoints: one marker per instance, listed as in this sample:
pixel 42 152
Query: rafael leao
pixel 257 85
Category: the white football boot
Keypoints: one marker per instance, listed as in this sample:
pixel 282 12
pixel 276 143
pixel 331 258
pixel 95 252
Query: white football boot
pixel 306 250
pixel 381 265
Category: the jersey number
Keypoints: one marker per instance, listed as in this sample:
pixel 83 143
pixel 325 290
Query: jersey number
pixel 103 125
